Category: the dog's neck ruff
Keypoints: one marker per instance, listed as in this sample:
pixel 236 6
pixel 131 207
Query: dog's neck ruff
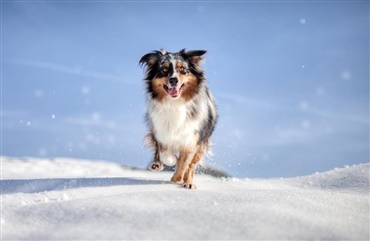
pixel 171 124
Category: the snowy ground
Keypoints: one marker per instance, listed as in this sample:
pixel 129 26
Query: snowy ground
pixel 66 199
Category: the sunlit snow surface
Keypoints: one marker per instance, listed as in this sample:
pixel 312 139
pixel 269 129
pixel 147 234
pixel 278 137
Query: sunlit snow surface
pixel 67 199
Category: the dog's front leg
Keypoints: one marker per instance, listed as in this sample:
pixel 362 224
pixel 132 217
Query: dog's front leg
pixel 189 174
pixel 182 165
pixel 156 165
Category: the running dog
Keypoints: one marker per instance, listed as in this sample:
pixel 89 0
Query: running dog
pixel 181 111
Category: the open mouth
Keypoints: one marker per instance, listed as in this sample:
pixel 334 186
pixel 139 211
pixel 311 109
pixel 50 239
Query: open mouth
pixel 173 91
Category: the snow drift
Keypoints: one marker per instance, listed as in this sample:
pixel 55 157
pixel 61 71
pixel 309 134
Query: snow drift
pixel 68 199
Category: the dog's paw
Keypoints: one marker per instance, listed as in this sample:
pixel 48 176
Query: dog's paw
pixel 156 166
pixel 189 186
pixel 176 179
pixel 167 158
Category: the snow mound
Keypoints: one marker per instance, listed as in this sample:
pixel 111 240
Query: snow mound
pixel 353 179
pixel 67 199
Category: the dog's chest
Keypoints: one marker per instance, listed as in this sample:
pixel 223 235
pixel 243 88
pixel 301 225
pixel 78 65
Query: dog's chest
pixel 171 125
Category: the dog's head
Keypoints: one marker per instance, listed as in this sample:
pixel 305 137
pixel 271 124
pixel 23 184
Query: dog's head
pixel 173 75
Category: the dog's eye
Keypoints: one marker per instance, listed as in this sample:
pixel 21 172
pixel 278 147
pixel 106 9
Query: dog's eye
pixel 182 69
pixel 165 70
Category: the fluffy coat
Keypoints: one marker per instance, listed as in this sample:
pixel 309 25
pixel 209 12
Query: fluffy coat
pixel 181 111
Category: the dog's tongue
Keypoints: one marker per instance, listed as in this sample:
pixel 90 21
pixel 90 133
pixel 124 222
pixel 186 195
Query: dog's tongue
pixel 173 92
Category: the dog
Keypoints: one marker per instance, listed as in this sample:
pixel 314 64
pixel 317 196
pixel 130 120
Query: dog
pixel 181 111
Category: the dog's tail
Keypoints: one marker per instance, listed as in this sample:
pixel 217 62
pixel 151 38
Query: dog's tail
pixel 208 149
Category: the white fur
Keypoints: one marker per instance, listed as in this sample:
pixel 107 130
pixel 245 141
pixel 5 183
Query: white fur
pixel 167 158
pixel 171 127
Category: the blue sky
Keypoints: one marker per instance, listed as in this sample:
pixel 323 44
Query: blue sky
pixel 291 80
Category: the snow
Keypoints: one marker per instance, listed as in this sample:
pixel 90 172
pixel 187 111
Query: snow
pixel 68 199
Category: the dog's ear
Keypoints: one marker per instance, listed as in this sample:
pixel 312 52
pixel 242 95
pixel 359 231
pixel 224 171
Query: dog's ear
pixel 194 56
pixel 151 58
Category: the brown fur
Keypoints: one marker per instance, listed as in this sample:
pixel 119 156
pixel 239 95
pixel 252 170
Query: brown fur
pixel 158 88
pixel 191 86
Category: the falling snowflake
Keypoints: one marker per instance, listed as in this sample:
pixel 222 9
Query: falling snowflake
pixel 38 93
pixel 346 75
pixel 85 90
pixel 320 91
pixel 303 105
pixel 201 9
pixel 306 124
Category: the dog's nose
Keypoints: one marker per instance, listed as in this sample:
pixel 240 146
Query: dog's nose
pixel 173 81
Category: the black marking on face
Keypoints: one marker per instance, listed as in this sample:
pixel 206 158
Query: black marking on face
pixel 171 64
pixel 164 70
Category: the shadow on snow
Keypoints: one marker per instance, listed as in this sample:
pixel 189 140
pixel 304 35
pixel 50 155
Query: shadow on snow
pixel 55 184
